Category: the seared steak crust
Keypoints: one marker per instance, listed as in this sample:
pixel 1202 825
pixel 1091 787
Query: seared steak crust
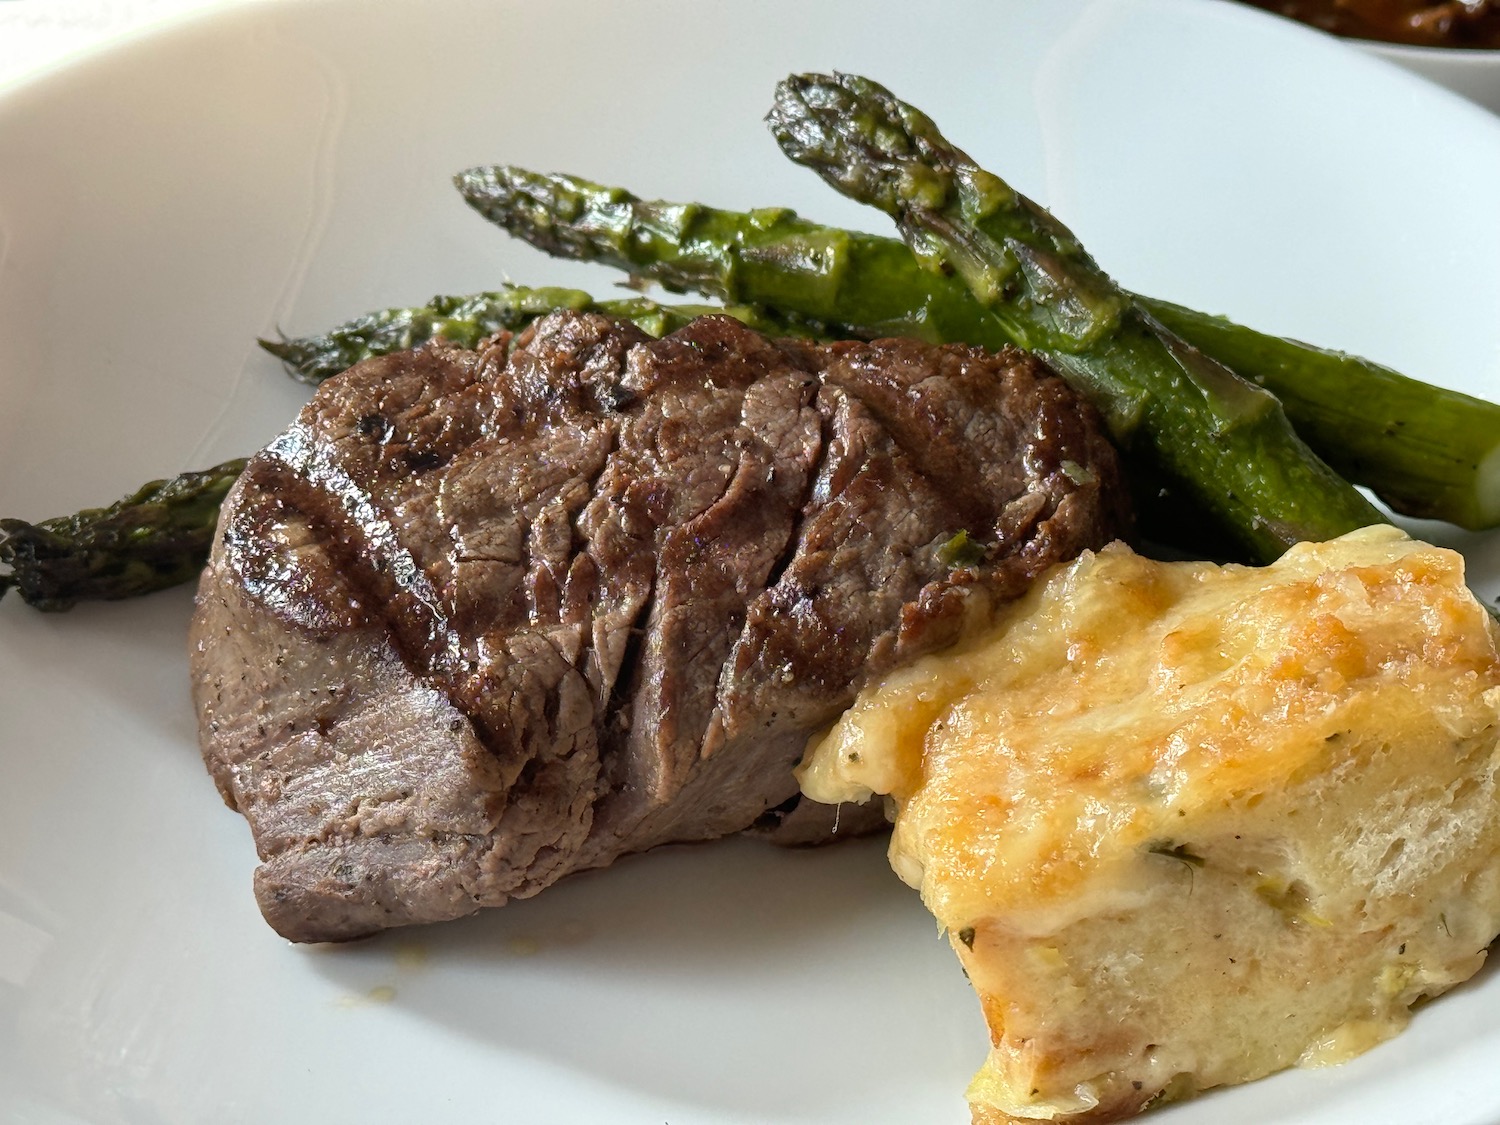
pixel 478 619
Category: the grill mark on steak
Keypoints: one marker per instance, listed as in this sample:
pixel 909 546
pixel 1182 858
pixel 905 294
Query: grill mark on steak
pixel 736 511
pixel 818 468
pixel 481 619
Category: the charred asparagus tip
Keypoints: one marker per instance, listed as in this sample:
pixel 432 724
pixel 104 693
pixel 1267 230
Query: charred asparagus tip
pixel 159 536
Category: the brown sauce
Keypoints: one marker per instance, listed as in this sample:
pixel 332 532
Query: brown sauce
pixel 1454 23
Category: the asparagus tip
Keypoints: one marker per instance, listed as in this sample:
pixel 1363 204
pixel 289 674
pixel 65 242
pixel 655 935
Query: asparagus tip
pixel 301 358
pixel 868 142
pixel 282 349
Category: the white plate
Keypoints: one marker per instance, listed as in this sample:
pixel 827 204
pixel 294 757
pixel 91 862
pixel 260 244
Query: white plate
pixel 287 165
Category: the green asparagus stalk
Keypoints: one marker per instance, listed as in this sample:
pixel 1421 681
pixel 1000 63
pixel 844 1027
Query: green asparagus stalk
pixel 1223 442
pixel 1426 451
pixel 156 537
pixel 160 535
pixel 467 320
pixel 1441 461
pixel 835 277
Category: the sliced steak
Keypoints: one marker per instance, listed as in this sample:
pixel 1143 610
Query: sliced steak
pixel 479 619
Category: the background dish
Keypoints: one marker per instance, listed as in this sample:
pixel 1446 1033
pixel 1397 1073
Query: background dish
pixel 1474 74
pixel 282 165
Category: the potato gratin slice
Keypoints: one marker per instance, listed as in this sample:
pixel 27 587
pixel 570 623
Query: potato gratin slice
pixel 1186 825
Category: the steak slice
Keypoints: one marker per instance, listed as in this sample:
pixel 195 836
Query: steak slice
pixel 479 619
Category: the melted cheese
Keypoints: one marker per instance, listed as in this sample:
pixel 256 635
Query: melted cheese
pixel 1159 799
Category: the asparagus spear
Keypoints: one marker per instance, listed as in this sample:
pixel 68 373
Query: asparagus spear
pixel 835 277
pixel 1442 460
pixel 1224 442
pixel 1426 451
pixel 467 320
pixel 156 537
pixel 159 536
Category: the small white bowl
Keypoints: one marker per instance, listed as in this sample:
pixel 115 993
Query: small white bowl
pixel 1473 73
